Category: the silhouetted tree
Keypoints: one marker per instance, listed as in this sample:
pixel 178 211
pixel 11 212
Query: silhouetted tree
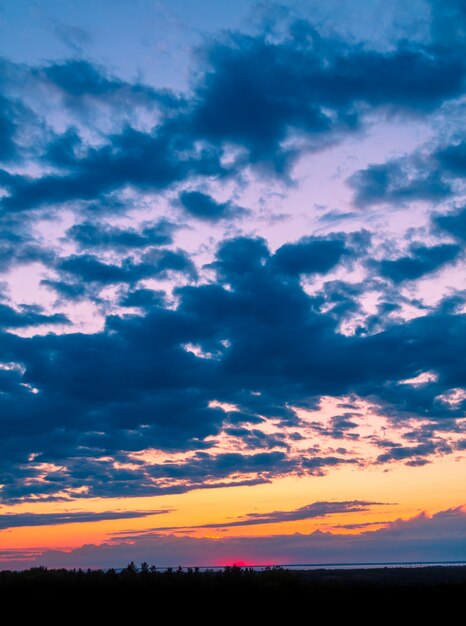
pixel 130 568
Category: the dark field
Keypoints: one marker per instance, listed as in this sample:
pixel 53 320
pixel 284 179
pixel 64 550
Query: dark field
pixel 386 590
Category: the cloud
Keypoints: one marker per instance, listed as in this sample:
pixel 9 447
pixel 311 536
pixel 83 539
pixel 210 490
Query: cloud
pixel 18 248
pixel 252 92
pixel 130 158
pixel 437 538
pixel 106 161
pixel 448 22
pixel 20 520
pixel 416 177
pixel 265 89
pixel 143 298
pixel 453 223
pixel 422 260
pixel 395 182
pixel 263 345
pixel 452 159
pixel 78 80
pixel 397 452
pixel 205 466
pixel 28 315
pixel 104 236
pixel 7 130
pixel 309 511
pixel 204 207
pixel 90 269
pixel 311 255
pixel 75 38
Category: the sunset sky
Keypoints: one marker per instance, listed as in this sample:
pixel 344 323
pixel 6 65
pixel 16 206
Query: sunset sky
pixel 232 291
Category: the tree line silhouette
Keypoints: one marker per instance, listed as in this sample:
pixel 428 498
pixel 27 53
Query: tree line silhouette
pixel 242 595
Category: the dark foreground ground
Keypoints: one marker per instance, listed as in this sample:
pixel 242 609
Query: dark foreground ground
pixel 362 594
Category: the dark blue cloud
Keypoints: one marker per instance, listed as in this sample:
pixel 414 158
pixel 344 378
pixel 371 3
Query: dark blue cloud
pixel 204 207
pixel 7 130
pixel 90 269
pixel 206 466
pixel 103 236
pixel 342 298
pixel 132 157
pixel 271 348
pixel 62 149
pixel 421 261
pixel 254 438
pixel 453 223
pixel 240 256
pixel 252 92
pixel 411 178
pixel 311 255
pixel 452 159
pixel 398 452
pixel 77 79
pixel 394 183
pixel 66 290
pixel 251 336
pixel 28 315
pixel 305 83
pixel 17 247
pixel 317 465
pixel 341 427
pixel 84 275
pixel 448 22
pixel 143 298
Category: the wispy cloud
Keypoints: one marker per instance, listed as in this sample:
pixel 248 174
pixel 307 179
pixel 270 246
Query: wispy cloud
pixel 17 520
pixel 441 537
pixel 310 511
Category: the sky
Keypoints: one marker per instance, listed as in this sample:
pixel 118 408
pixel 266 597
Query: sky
pixel 232 295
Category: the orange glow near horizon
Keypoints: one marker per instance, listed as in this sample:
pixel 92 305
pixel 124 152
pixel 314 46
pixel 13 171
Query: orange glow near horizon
pixel 404 491
pixel 407 490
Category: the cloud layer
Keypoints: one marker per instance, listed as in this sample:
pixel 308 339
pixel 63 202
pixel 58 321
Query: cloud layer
pixel 163 340
pixel 441 537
